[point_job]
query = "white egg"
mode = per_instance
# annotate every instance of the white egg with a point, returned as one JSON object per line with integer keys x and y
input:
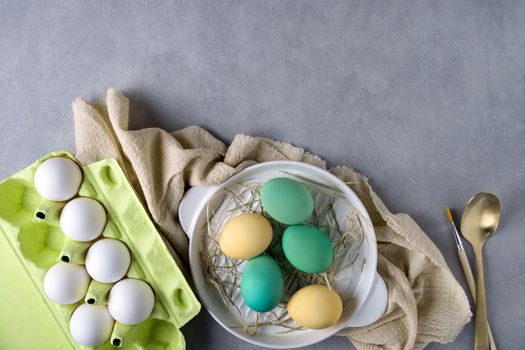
{"x": 66, "y": 283}
{"x": 91, "y": 325}
{"x": 131, "y": 301}
{"x": 108, "y": 260}
{"x": 83, "y": 219}
{"x": 58, "y": 179}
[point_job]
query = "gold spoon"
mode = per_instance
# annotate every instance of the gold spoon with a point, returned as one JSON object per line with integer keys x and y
{"x": 479, "y": 221}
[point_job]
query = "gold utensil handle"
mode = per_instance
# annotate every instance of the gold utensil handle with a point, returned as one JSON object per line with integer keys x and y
{"x": 472, "y": 287}
{"x": 481, "y": 341}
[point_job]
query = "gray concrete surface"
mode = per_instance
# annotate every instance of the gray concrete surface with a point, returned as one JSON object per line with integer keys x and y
{"x": 427, "y": 98}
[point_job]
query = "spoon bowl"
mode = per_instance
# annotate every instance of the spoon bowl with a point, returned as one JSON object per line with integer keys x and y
{"x": 481, "y": 217}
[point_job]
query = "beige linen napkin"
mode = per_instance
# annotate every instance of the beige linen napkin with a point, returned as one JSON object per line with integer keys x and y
{"x": 426, "y": 304}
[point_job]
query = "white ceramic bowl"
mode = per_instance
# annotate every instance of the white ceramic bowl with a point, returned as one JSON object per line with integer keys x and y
{"x": 370, "y": 296}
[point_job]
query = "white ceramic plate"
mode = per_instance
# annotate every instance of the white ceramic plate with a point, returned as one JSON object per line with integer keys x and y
{"x": 368, "y": 291}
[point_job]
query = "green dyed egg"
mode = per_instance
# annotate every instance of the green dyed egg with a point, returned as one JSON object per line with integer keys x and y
{"x": 286, "y": 200}
{"x": 262, "y": 283}
{"x": 307, "y": 248}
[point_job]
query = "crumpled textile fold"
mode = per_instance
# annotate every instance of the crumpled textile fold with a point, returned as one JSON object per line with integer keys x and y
{"x": 426, "y": 303}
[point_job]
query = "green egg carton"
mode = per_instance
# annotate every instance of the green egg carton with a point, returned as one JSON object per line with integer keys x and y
{"x": 31, "y": 241}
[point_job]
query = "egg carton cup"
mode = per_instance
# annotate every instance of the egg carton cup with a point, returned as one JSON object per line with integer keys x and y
{"x": 31, "y": 241}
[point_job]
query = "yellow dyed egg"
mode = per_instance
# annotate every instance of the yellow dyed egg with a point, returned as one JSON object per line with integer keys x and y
{"x": 246, "y": 236}
{"x": 315, "y": 307}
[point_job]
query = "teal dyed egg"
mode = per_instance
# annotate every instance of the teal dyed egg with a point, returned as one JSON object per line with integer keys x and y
{"x": 307, "y": 248}
{"x": 262, "y": 283}
{"x": 286, "y": 200}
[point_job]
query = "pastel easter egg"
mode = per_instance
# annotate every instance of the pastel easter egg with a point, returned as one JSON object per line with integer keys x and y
{"x": 262, "y": 283}
{"x": 246, "y": 236}
{"x": 307, "y": 248}
{"x": 315, "y": 307}
{"x": 286, "y": 200}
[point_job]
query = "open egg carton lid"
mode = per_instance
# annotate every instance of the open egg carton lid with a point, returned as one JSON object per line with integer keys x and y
{"x": 31, "y": 241}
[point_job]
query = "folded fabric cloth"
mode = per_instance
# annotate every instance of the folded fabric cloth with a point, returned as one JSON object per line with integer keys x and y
{"x": 426, "y": 304}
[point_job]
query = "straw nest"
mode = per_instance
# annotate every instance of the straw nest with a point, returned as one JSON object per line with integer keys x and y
{"x": 333, "y": 214}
